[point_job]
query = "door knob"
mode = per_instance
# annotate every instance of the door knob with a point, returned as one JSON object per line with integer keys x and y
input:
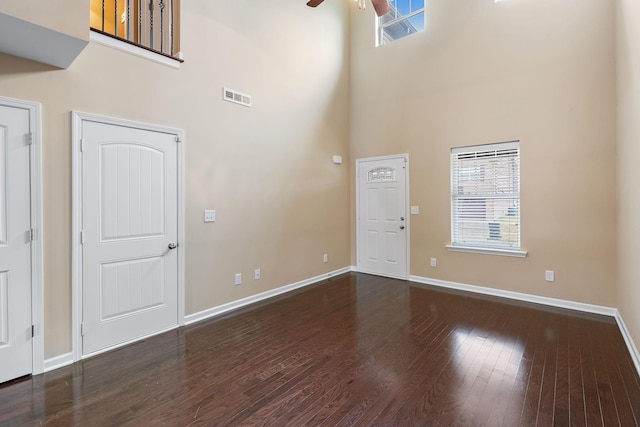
{"x": 401, "y": 218}
{"x": 172, "y": 246}
{"x": 402, "y": 227}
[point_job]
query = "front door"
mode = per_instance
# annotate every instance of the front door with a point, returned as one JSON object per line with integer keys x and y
{"x": 16, "y": 351}
{"x": 382, "y": 243}
{"x": 129, "y": 234}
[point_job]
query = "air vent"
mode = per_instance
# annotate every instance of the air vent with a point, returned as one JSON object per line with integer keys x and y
{"x": 237, "y": 97}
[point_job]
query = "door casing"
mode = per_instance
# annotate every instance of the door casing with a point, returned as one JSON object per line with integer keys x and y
{"x": 37, "y": 294}
{"x": 359, "y": 163}
{"x": 77, "y": 119}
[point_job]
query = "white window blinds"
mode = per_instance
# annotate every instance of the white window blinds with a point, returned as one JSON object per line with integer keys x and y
{"x": 485, "y": 196}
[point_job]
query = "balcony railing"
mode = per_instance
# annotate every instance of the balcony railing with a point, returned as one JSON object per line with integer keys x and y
{"x": 150, "y": 24}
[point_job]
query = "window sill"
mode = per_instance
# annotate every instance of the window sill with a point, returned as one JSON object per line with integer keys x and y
{"x": 488, "y": 251}
{"x": 105, "y": 40}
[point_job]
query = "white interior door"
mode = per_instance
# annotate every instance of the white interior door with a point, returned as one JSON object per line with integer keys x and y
{"x": 382, "y": 243}
{"x": 16, "y": 351}
{"x": 130, "y": 231}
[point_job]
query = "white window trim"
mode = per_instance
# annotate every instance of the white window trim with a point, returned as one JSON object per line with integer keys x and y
{"x": 485, "y": 250}
{"x": 132, "y": 49}
{"x": 380, "y": 27}
{"x": 518, "y": 253}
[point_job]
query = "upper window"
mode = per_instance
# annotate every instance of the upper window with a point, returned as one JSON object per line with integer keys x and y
{"x": 382, "y": 174}
{"x": 151, "y": 24}
{"x": 406, "y": 17}
{"x": 485, "y": 196}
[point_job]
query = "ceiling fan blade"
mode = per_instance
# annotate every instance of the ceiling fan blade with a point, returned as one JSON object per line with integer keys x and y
{"x": 381, "y": 7}
{"x": 314, "y": 3}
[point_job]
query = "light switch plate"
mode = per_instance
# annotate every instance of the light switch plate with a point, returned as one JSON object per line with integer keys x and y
{"x": 549, "y": 276}
{"x": 415, "y": 210}
{"x": 209, "y": 215}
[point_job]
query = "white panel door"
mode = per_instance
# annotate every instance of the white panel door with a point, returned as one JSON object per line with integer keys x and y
{"x": 15, "y": 245}
{"x": 382, "y": 220}
{"x": 130, "y": 229}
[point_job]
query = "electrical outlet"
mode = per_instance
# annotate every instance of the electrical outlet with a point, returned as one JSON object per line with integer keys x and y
{"x": 238, "y": 278}
{"x": 415, "y": 210}
{"x": 549, "y": 276}
{"x": 256, "y": 274}
{"x": 434, "y": 262}
{"x": 325, "y": 258}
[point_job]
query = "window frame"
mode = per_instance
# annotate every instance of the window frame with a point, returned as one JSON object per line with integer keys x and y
{"x": 485, "y": 247}
{"x": 380, "y": 27}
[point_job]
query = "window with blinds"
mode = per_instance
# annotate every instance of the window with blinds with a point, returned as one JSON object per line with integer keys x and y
{"x": 485, "y": 196}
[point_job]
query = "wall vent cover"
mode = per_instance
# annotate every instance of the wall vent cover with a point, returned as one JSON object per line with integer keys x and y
{"x": 235, "y": 96}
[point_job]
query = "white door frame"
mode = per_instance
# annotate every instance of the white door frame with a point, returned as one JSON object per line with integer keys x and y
{"x": 35, "y": 154}
{"x": 404, "y": 157}
{"x": 77, "y": 119}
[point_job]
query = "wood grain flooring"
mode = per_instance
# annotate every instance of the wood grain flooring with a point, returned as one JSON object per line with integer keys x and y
{"x": 353, "y": 350}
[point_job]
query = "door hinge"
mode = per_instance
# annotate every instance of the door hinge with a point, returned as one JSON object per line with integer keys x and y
{"x": 33, "y": 331}
{"x": 29, "y": 138}
{"x": 178, "y": 139}
{"x": 82, "y": 145}
{"x": 31, "y": 235}
{"x": 82, "y": 329}
{"x": 82, "y": 237}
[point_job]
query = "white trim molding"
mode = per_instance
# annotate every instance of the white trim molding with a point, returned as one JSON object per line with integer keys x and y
{"x": 633, "y": 350}
{"x": 234, "y": 305}
{"x": 37, "y": 286}
{"x": 77, "y": 118}
{"x": 553, "y": 302}
{"x": 58, "y": 362}
{"x": 487, "y": 251}
{"x": 37, "y": 282}
{"x": 132, "y": 49}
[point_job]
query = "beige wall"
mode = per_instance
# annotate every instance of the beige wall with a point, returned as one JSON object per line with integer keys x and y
{"x": 70, "y": 17}
{"x": 281, "y": 203}
{"x": 542, "y": 72}
{"x": 539, "y": 71}
{"x": 628, "y": 50}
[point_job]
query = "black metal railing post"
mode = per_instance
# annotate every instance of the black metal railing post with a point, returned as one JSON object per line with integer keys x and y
{"x": 138, "y": 18}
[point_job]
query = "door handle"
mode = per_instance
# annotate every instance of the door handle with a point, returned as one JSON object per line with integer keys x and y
{"x": 172, "y": 246}
{"x": 401, "y": 218}
{"x": 402, "y": 227}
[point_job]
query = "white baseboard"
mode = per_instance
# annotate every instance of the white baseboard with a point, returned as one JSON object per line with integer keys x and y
{"x": 58, "y": 362}
{"x": 67, "y": 359}
{"x": 633, "y": 350}
{"x": 224, "y": 308}
{"x": 553, "y": 302}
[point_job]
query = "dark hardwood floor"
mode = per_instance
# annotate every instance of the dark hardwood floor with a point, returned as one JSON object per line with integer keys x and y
{"x": 354, "y": 350}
